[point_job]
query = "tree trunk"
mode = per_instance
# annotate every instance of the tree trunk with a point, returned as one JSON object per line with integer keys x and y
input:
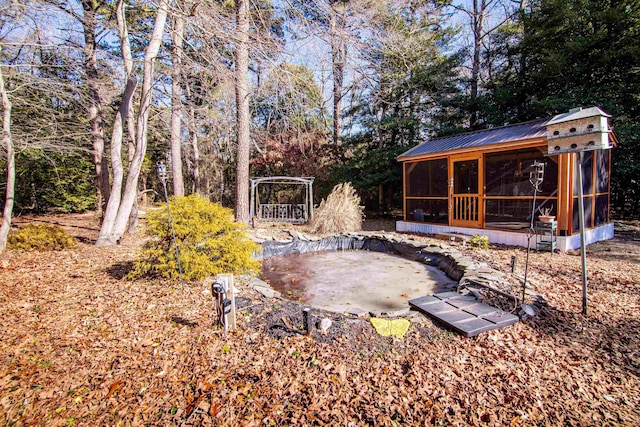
{"x": 95, "y": 103}
{"x": 194, "y": 145}
{"x": 479, "y": 11}
{"x": 242, "y": 111}
{"x": 337, "y": 65}
{"x": 116, "y": 163}
{"x": 522, "y": 72}
{"x": 177, "y": 36}
{"x": 7, "y": 213}
{"x": 130, "y": 192}
{"x": 114, "y": 226}
{"x": 196, "y": 159}
{"x": 383, "y": 111}
{"x": 125, "y": 114}
{"x": 131, "y": 150}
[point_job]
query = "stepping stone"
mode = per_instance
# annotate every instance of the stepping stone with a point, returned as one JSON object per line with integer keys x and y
{"x": 463, "y": 313}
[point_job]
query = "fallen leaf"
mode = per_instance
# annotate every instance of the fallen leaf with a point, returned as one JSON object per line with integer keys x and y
{"x": 192, "y": 406}
{"x": 116, "y": 386}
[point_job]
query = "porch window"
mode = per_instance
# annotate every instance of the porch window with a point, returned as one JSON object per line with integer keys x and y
{"x": 508, "y": 192}
{"x": 426, "y": 191}
{"x": 596, "y": 171}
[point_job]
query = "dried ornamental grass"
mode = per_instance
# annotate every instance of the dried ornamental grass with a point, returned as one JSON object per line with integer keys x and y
{"x": 340, "y": 212}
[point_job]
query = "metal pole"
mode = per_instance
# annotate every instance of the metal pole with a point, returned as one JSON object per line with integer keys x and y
{"x": 583, "y": 246}
{"x": 162, "y": 174}
{"x": 536, "y": 177}
{"x": 530, "y": 234}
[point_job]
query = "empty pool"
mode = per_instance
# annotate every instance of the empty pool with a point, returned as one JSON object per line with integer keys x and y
{"x": 342, "y": 281}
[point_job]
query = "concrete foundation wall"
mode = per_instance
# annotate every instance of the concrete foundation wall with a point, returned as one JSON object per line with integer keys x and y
{"x": 510, "y": 238}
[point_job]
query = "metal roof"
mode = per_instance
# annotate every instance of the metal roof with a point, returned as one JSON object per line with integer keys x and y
{"x": 480, "y": 138}
{"x": 576, "y": 114}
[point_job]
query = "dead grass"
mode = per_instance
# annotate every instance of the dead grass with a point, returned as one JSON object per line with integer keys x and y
{"x": 339, "y": 213}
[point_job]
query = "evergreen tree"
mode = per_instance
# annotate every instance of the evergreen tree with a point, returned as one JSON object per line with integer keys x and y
{"x": 577, "y": 53}
{"x": 411, "y": 93}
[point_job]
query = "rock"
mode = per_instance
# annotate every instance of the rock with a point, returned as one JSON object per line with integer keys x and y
{"x": 526, "y": 311}
{"x": 242, "y": 302}
{"x": 267, "y": 292}
{"x": 254, "y": 281}
{"x": 400, "y": 312}
{"x": 325, "y": 324}
{"x": 415, "y": 245}
{"x": 278, "y": 240}
{"x": 296, "y": 235}
{"x": 261, "y": 234}
{"x": 417, "y": 319}
{"x": 358, "y": 312}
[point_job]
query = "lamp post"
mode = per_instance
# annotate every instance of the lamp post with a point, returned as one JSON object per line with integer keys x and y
{"x": 163, "y": 175}
{"x": 536, "y": 177}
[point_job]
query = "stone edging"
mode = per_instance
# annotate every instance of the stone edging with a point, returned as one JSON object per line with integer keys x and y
{"x": 448, "y": 259}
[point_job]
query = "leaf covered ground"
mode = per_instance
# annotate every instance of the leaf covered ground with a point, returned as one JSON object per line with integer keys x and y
{"x": 82, "y": 346}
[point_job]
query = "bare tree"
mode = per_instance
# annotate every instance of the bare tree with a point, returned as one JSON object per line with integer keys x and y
{"x": 478, "y": 15}
{"x": 177, "y": 38}
{"x": 338, "y": 57}
{"x": 114, "y": 225}
{"x": 124, "y": 114}
{"x": 329, "y": 19}
{"x": 7, "y": 141}
{"x": 195, "y": 147}
{"x": 89, "y": 22}
{"x": 242, "y": 111}
{"x": 95, "y": 102}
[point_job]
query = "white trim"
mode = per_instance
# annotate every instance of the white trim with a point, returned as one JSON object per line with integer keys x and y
{"x": 564, "y": 243}
{"x": 593, "y": 235}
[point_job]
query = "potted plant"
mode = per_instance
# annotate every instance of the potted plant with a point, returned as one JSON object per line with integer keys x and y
{"x": 545, "y": 214}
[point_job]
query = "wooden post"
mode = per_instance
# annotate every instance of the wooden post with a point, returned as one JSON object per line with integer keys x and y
{"x": 308, "y": 325}
{"x": 311, "y": 200}
{"x": 230, "y": 318}
{"x": 252, "y": 203}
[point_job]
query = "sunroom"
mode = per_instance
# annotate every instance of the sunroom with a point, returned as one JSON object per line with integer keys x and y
{"x": 480, "y": 182}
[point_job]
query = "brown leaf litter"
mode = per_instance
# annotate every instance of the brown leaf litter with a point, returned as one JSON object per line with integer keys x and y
{"x": 81, "y": 346}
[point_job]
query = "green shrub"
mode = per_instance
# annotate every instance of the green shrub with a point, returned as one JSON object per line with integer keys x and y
{"x": 53, "y": 182}
{"x": 41, "y": 237}
{"x": 479, "y": 241}
{"x": 209, "y": 242}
